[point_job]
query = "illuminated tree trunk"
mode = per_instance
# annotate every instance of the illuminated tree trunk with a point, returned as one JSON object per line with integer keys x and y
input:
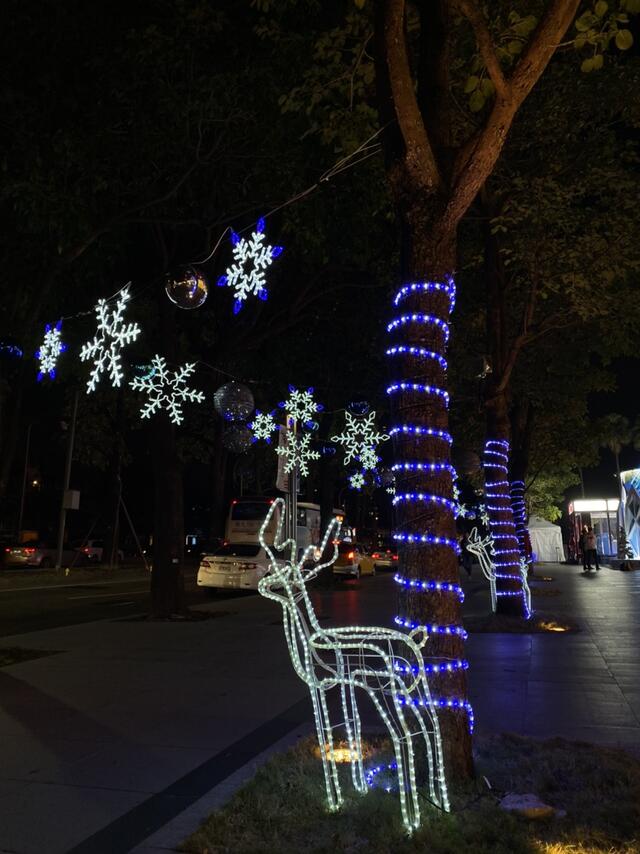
{"x": 433, "y": 183}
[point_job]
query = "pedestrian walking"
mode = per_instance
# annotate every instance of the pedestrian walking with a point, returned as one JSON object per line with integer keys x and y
{"x": 582, "y": 542}
{"x": 592, "y": 549}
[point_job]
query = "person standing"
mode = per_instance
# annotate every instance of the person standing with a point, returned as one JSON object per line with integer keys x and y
{"x": 592, "y": 549}
{"x": 583, "y": 547}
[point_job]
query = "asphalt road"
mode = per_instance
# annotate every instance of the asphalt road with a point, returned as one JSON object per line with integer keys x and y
{"x": 29, "y": 609}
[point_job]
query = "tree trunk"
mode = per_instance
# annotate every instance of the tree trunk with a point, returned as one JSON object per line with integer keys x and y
{"x": 167, "y": 580}
{"x": 425, "y": 525}
{"x": 219, "y": 495}
{"x": 522, "y": 418}
{"x": 509, "y": 588}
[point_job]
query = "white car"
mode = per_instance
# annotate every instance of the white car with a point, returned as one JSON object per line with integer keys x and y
{"x": 233, "y": 566}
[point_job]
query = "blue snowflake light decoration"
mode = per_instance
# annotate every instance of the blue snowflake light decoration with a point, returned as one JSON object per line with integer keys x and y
{"x": 252, "y": 258}
{"x": 50, "y": 350}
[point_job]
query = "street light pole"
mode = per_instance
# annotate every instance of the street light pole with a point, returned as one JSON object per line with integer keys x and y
{"x": 67, "y": 478}
{"x": 24, "y": 482}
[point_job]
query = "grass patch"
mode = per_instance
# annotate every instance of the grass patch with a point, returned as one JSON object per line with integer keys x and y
{"x": 283, "y": 809}
{"x": 15, "y": 654}
{"x": 538, "y": 624}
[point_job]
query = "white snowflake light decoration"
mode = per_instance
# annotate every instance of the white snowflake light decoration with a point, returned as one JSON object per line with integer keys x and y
{"x": 262, "y": 426}
{"x": 360, "y": 437}
{"x": 166, "y": 390}
{"x": 111, "y": 336}
{"x": 252, "y": 257}
{"x": 360, "y": 440}
{"x": 298, "y": 452}
{"x": 369, "y": 459}
{"x": 357, "y": 480}
{"x": 50, "y": 350}
{"x": 300, "y": 405}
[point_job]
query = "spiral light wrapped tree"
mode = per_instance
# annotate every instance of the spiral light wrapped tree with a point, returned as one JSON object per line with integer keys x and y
{"x": 510, "y": 589}
{"x": 424, "y": 507}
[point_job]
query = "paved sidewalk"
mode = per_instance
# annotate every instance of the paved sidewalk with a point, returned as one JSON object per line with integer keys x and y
{"x": 117, "y": 740}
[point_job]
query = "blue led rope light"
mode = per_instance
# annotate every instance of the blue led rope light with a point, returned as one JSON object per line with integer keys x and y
{"x": 417, "y": 430}
{"x": 419, "y": 352}
{"x": 420, "y": 432}
{"x": 495, "y": 464}
{"x": 429, "y": 586}
{"x": 432, "y": 467}
{"x": 418, "y": 317}
{"x": 421, "y": 388}
{"x": 447, "y": 287}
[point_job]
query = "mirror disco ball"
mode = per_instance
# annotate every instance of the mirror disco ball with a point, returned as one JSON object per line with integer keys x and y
{"x": 186, "y": 287}
{"x": 237, "y": 438}
{"x": 233, "y": 401}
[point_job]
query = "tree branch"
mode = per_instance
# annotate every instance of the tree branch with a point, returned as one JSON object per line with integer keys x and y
{"x": 397, "y": 96}
{"x": 474, "y": 14}
{"x": 476, "y": 159}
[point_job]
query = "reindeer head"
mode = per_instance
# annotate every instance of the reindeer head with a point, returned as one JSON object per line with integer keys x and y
{"x": 284, "y": 570}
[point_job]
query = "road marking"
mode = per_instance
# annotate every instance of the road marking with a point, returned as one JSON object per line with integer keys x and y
{"x": 108, "y": 595}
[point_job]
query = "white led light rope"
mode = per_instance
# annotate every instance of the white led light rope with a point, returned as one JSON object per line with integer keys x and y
{"x": 385, "y": 664}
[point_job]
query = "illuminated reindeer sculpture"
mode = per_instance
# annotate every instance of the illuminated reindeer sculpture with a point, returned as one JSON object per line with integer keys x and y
{"x": 483, "y": 550}
{"x": 386, "y": 664}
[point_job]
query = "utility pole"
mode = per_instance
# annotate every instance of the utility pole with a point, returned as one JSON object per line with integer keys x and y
{"x": 67, "y": 478}
{"x": 24, "y": 482}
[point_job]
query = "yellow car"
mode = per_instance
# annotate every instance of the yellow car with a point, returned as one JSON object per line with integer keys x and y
{"x": 353, "y": 561}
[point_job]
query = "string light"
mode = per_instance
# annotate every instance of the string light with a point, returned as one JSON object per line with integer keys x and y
{"x": 420, "y": 387}
{"x": 447, "y": 287}
{"x": 429, "y": 467}
{"x": 427, "y": 319}
{"x": 418, "y": 430}
{"x": 421, "y": 352}
{"x": 429, "y": 586}
{"x": 368, "y": 658}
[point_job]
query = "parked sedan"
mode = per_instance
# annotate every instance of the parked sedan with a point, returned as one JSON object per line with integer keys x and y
{"x": 386, "y": 555}
{"x": 353, "y": 561}
{"x": 238, "y": 566}
{"x": 36, "y": 554}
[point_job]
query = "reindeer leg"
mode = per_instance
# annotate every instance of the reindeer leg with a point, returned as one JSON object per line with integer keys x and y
{"x": 325, "y": 739}
{"x": 403, "y": 749}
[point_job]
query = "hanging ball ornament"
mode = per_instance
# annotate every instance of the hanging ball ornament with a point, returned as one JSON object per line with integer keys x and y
{"x": 186, "y": 287}
{"x": 359, "y": 407}
{"x": 237, "y": 438}
{"x": 233, "y": 401}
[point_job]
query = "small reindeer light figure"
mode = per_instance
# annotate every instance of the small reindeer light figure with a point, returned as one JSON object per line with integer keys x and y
{"x": 382, "y": 663}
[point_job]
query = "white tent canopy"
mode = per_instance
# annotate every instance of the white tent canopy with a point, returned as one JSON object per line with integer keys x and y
{"x": 546, "y": 540}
